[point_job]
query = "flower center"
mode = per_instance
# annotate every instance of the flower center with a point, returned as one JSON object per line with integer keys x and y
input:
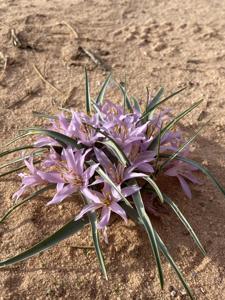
{"x": 107, "y": 200}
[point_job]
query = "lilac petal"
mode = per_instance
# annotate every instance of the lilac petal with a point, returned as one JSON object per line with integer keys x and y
{"x": 97, "y": 181}
{"x": 140, "y": 129}
{"x": 29, "y": 165}
{"x": 91, "y": 196}
{"x": 19, "y": 193}
{"x": 127, "y": 191}
{"x": 105, "y": 216}
{"x": 146, "y": 168}
{"x": 79, "y": 159}
{"x": 172, "y": 172}
{"x": 118, "y": 210}
{"x": 192, "y": 178}
{"x": 53, "y": 177}
{"x": 133, "y": 175}
{"x": 70, "y": 158}
{"x": 86, "y": 209}
{"x": 185, "y": 186}
{"x": 65, "y": 192}
{"x": 102, "y": 159}
{"x": 31, "y": 180}
{"x": 63, "y": 122}
{"x": 90, "y": 172}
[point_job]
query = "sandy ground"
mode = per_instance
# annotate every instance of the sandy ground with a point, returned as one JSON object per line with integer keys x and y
{"x": 152, "y": 43}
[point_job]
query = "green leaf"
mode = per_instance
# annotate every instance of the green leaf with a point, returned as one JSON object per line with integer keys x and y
{"x": 88, "y": 97}
{"x": 12, "y": 171}
{"x": 126, "y": 99}
{"x": 152, "y": 104}
{"x": 44, "y": 115}
{"x": 166, "y": 253}
{"x": 64, "y": 232}
{"x": 100, "y": 97}
{"x": 157, "y": 102}
{"x": 155, "y": 187}
{"x": 95, "y": 236}
{"x": 62, "y": 139}
{"x": 36, "y": 153}
{"x": 11, "y": 209}
{"x": 199, "y": 167}
{"x": 115, "y": 150}
{"x": 154, "y": 142}
{"x": 176, "y": 210}
{"x": 136, "y": 104}
{"x": 17, "y": 138}
{"x": 4, "y": 153}
{"x": 132, "y": 213}
{"x": 96, "y": 108}
{"x": 17, "y": 169}
{"x": 150, "y": 231}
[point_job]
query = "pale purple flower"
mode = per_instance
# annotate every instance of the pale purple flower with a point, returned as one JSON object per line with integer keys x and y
{"x": 183, "y": 172}
{"x": 29, "y": 180}
{"x": 84, "y": 128}
{"x": 69, "y": 174}
{"x": 117, "y": 172}
{"x": 107, "y": 201}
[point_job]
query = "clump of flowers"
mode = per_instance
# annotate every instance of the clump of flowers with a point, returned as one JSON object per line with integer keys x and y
{"x": 109, "y": 155}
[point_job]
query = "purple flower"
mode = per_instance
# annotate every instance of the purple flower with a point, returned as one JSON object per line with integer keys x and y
{"x": 118, "y": 173}
{"x": 84, "y": 128}
{"x": 107, "y": 201}
{"x": 69, "y": 174}
{"x": 183, "y": 172}
{"x": 29, "y": 180}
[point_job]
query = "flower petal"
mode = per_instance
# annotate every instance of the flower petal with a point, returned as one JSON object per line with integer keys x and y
{"x": 105, "y": 216}
{"x": 65, "y": 192}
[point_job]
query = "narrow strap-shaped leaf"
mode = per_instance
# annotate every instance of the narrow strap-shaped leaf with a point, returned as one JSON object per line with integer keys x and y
{"x": 88, "y": 97}
{"x": 17, "y": 138}
{"x": 166, "y": 253}
{"x": 11, "y": 209}
{"x": 185, "y": 222}
{"x": 17, "y": 169}
{"x": 100, "y": 97}
{"x": 152, "y": 104}
{"x": 200, "y": 168}
{"x": 155, "y": 187}
{"x": 126, "y": 99}
{"x": 132, "y": 213}
{"x": 150, "y": 232}
{"x": 115, "y": 150}
{"x": 64, "y": 232}
{"x": 44, "y": 115}
{"x": 4, "y": 153}
{"x": 154, "y": 142}
{"x": 35, "y": 154}
{"x": 136, "y": 104}
{"x": 96, "y": 108}
{"x": 62, "y": 139}
{"x": 95, "y": 236}
{"x": 157, "y": 103}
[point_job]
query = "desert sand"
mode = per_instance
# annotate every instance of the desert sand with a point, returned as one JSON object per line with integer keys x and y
{"x": 151, "y": 44}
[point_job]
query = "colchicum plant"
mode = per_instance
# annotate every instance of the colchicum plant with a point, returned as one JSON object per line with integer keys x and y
{"x": 110, "y": 156}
